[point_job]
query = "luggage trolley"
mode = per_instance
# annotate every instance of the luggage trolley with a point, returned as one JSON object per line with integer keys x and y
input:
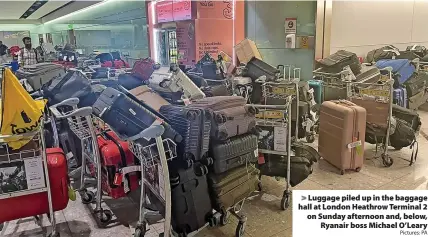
{"x": 153, "y": 158}
{"x": 81, "y": 124}
{"x": 335, "y": 85}
{"x": 26, "y": 155}
{"x": 375, "y": 97}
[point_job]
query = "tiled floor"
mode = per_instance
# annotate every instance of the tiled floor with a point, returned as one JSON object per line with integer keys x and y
{"x": 264, "y": 215}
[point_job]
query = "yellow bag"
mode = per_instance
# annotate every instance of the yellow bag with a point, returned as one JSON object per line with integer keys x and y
{"x": 20, "y": 112}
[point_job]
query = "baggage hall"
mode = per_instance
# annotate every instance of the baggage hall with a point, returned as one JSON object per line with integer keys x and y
{"x": 179, "y": 118}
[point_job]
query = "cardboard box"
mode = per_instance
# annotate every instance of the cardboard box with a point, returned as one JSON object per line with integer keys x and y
{"x": 246, "y": 50}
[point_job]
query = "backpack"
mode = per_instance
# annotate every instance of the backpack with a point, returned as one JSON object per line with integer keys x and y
{"x": 404, "y": 136}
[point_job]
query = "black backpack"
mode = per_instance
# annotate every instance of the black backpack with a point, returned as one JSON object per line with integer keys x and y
{"x": 404, "y": 136}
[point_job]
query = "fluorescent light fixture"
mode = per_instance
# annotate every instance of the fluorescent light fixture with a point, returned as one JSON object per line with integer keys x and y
{"x": 154, "y": 32}
{"x": 80, "y": 11}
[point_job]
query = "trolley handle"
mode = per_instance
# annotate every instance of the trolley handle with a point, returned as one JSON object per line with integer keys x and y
{"x": 150, "y": 132}
{"x": 82, "y": 112}
{"x": 67, "y": 102}
{"x": 257, "y": 106}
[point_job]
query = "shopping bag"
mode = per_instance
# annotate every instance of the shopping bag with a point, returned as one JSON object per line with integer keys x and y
{"x": 20, "y": 112}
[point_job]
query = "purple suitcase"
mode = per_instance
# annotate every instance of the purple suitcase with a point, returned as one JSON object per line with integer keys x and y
{"x": 400, "y": 97}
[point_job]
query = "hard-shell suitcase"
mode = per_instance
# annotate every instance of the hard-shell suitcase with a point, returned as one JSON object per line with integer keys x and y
{"x": 143, "y": 68}
{"x": 400, "y": 97}
{"x": 369, "y": 74}
{"x": 240, "y": 150}
{"x": 194, "y": 125}
{"x": 115, "y": 155}
{"x": 41, "y": 73}
{"x": 230, "y": 188}
{"x": 276, "y": 166}
{"x": 416, "y": 83}
{"x": 408, "y": 115}
{"x": 191, "y": 204}
{"x": 230, "y": 117}
{"x": 337, "y": 61}
{"x": 256, "y": 68}
{"x": 149, "y": 97}
{"x": 417, "y": 100}
{"x": 342, "y": 131}
{"x": 13, "y": 208}
{"x": 316, "y": 85}
{"x": 127, "y": 117}
{"x": 403, "y": 69}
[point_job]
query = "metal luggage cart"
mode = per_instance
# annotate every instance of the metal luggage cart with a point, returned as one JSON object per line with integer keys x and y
{"x": 153, "y": 158}
{"x": 335, "y": 81}
{"x": 81, "y": 124}
{"x": 26, "y": 155}
{"x": 379, "y": 92}
{"x": 278, "y": 117}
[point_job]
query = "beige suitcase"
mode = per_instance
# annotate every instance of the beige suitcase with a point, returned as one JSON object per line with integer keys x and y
{"x": 149, "y": 97}
{"x": 342, "y": 131}
{"x": 377, "y": 112}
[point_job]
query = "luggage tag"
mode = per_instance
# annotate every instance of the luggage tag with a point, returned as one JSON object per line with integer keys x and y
{"x": 261, "y": 159}
{"x": 357, "y": 144}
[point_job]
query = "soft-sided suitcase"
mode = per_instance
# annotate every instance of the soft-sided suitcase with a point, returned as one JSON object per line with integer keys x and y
{"x": 316, "y": 85}
{"x": 13, "y": 208}
{"x": 230, "y": 188}
{"x": 143, "y": 68}
{"x": 194, "y": 125}
{"x": 191, "y": 204}
{"x": 386, "y": 52}
{"x": 115, "y": 155}
{"x": 419, "y": 50}
{"x": 337, "y": 61}
{"x": 41, "y": 73}
{"x": 240, "y": 150}
{"x": 128, "y": 81}
{"x": 416, "y": 83}
{"x": 127, "y": 117}
{"x": 276, "y": 166}
{"x": 230, "y": 117}
{"x": 400, "y": 97}
{"x": 149, "y": 97}
{"x": 408, "y": 115}
{"x": 342, "y": 126}
{"x": 417, "y": 100}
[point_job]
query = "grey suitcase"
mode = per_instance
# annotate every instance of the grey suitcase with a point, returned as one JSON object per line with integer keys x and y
{"x": 41, "y": 73}
{"x": 240, "y": 150}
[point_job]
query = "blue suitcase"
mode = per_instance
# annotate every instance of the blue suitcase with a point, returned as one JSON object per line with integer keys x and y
{"x": 400, "y": 97}
{"x": 316, "y": 85}
{"x": 128, "y": 117}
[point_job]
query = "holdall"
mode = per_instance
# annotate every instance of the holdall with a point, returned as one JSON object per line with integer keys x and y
{"x": 400, "y": 97}
{"x": 209, "y": 69}
{"x": 39, "y": 74}
{"x": 337, "y": 61}
{"x": 419, "y": 50}
{"x": 403, "y": 136}
{"x": 115, "y": 155}
{"x": 127, "y": 117}
{"x": 416, "y": 83}
{"x": 230, "y": 117}
{"x": 240, "y": 150}
{"x": 386, "y": 52}
{"x": 194, "y": 125}
{"x": 149, "y": 97}
{"x": 129, "y": 82}
{"x": 410, "y": 55}
{"x": 276, "y": 166}
{"x": 342, "y": 123}
{"x": 408, "y": 115}
{"x": 417, "y": 100}
{"x": 73, "y": 85}
{"x": 143, "y": 69}
{"x": 402, "y": 68}
{"x": 37, "y": 204}
{"x": 317, "y": 86}
{"x": 229, "y": 188}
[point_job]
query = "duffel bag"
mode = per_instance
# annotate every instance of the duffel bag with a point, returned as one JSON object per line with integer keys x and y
{"x": 416, "y": 83}
{"x": 404, "y": 136}
{"x": 419, "y": 50}
{"x": 410, "y": 116}
{"x": 386, "y": 52}
{"x": 339, "y": 60}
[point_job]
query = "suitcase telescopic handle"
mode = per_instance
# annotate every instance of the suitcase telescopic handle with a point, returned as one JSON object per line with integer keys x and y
{"x": 82, "y": 112}
{"x": 150, "y": 132}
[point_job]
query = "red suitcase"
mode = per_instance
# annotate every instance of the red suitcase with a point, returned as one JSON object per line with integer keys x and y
{"x": 115, "y": 154}
{"x": 37, "y": 204}
{"x": 143, "y": 69}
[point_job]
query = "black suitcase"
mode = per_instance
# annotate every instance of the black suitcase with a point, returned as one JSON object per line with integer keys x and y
{"x": 191, "y": 204}
{"x": 230, "y": 188}
{"x": 416, "y": 83}
{"x": 240, "y": 150}
{"x": 129, "y": 82}
{"x": 276, "y": 166}
{"x": 128, "y": 117}
{"x": 194, "y": 125}
{"x": 337, "y": 61}
{"x": 256, "y": 68}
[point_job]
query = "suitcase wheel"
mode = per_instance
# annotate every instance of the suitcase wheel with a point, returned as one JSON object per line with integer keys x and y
{"x": 105, "y": 217}
{"x": 387, "y": 161}
{"x": 201, "y": 170}
{"x": 87, "y": 196}
{"x": 140, "y": 231}
{"x": 285, "y": 201}
{"x": 240, "y": 229}
{"x": 224, "y": 218}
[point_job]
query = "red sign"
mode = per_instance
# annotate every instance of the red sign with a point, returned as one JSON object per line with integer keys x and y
{"x": 164, "y": 12}
{"x": 182, "y": 10}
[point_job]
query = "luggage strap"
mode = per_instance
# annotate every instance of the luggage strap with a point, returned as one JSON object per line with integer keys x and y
{"x": 415, "y": 148}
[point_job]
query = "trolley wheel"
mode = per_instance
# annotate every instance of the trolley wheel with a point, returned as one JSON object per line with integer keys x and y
{"x": 310, "y": 138}
{"x": 224, "y": 218}
{"x": 140, "y": 231}
{"x": 260, "y": 186}
{"x": 189, "y": 163}
{"x": 387, "y": 161}
{"x": 285, "y": 201}
{"x": 87, "y": 197}
{"x": 105, "y": 217}
{"x": 209, "y": 161}
{"x": 398, "y": 148}
{"x": 342, "y": 172}
{"x": 240, "y": 229}
{"x": 54, "y": 235}
{"x": 358, "y": 169}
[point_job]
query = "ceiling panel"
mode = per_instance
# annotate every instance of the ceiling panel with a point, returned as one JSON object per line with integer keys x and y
{"x": 49, "y": 7}
{"x": 12, "y": 10}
